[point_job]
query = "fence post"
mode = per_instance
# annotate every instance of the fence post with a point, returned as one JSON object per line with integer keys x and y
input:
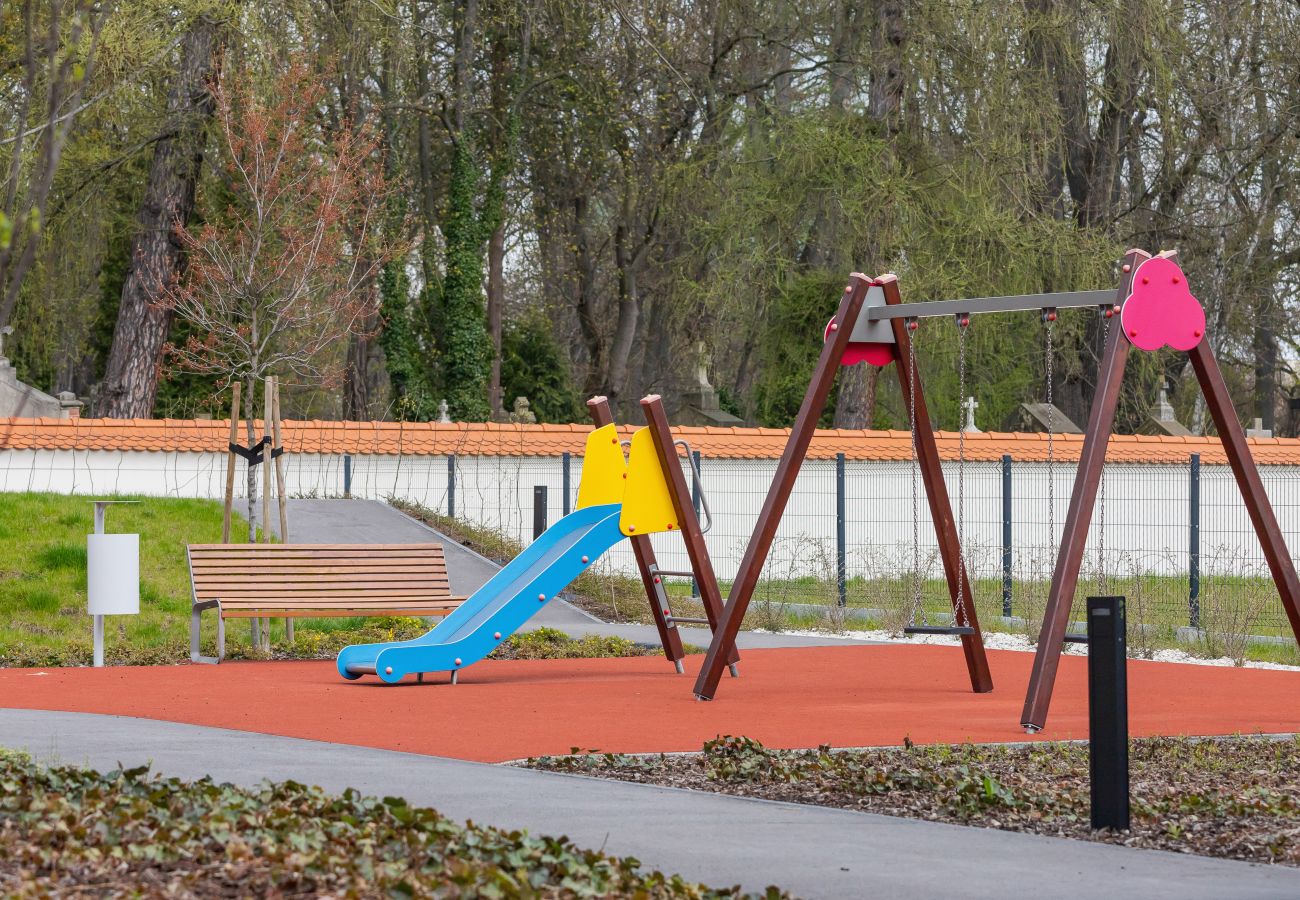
{"x": 695, "y": 502}
{"x": 565, "y": 462}
{"x": 1194, "y": 542}
{"x": 840, "y": 539}
{"x": 539, "y": 510}
{"x": 347, "y": 476}
{"x": 1006, "y": 534}
{"x": 451, "y": 485}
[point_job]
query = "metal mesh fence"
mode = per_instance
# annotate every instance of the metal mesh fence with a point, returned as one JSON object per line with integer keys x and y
{"x": 1175, "y": 539}
{"x": 1141, "y": 542}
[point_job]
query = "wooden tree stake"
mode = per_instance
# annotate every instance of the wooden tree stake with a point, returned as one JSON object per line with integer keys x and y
{"x": 268, "y": 404}
{"x": 278, "y": 447}
{"x": 230, "y": 462}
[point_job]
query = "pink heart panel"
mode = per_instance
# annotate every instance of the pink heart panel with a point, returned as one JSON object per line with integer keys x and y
{"x": 1160, "y": 310}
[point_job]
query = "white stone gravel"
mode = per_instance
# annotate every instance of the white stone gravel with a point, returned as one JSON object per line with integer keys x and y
{"x": 999, "y": 640}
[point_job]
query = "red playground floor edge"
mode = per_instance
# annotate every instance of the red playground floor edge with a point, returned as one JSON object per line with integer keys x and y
{"x": 849, "y": 696}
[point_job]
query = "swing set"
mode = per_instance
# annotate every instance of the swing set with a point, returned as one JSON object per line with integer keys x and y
{"x": 1154, "y": 308}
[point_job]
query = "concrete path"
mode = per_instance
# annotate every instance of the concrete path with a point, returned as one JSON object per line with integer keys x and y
{"x": 372, "y": 522}
{"x": 713, "y": 838}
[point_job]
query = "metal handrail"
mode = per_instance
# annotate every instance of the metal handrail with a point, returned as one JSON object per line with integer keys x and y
{"x": 698, "y": 484}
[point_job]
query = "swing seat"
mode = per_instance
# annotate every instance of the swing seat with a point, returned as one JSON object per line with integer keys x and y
{"x": 958, "y": 630}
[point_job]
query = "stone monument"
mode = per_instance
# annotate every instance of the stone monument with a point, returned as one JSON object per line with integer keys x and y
{"x": 700, "y": 404}
{"x": 19, "y": 400}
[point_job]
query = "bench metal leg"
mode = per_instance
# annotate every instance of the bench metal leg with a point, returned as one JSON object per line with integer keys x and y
{"x": 196, "y": 614}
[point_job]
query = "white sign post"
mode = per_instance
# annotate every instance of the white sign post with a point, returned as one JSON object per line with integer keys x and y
{"x": 112, "y": 575}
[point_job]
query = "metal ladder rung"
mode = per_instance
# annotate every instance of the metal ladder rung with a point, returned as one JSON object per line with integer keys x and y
{"x": 672, "y": 574}
{"x": 674, "y": 620}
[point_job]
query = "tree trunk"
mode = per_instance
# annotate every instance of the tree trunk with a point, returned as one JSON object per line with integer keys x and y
{"x": 855, "y": 404}
{"x": 356, "y": 377}
{"x": 585, "y": 299}
{"x": 629, "y": 312}
{"x": 131, "y": 377}
{"x": 496, "y": 296}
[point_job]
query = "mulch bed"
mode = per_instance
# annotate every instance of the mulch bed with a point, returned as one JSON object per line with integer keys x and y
{"x": 72, "y": 832}
{"x": 1237, "y": 798}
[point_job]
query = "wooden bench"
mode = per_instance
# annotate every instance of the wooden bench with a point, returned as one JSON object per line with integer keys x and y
{"x": 261, "y": 581}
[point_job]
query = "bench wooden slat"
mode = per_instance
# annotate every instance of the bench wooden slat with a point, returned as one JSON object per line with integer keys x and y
{"x": 334, "y": 613}
{"x": 231, "y": 595}
{"x": 308, "y": 595}
{"x": 310, "y": 581}
{"x": 272, "y": 580}
{"x": 251, "y": 602}
{"x": 297, "y": 550}
{"x": 298, "y": 568}
{"x": 308, "y": 548}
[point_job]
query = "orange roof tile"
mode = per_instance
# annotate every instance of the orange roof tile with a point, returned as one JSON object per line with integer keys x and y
{"x": 491, "y": 439}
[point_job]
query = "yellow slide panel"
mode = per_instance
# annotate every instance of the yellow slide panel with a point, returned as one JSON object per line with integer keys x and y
{"x": 604, "y": 470}
{"x": 647, "y": 504}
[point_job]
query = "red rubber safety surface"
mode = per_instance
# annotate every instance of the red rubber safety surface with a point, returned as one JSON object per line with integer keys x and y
{"x": 845, "y": 696}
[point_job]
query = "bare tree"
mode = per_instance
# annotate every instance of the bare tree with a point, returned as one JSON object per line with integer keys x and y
{"x": 279, "y": 279}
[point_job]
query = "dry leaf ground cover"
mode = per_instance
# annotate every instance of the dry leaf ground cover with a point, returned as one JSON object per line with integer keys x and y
{"x": 1236, "y": 797}
{"x": 73, "y": 832}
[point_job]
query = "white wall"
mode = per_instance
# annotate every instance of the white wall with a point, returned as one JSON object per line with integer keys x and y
{"x": 1146, "y": 509}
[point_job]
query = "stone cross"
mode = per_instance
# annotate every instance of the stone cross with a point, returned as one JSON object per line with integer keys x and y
{"x": 1259, "y": 431}
{"x": 970, "y": 406}
{"x": 444, "y": 414}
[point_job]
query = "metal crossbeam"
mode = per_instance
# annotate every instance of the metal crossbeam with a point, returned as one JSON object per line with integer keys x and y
{"x": 1020, "y": 303}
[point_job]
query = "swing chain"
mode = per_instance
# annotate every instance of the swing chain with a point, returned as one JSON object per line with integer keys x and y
{"x": 918, "y": 605}
{"x": 960, "y": 618}
{"x": 1101, "y": 485}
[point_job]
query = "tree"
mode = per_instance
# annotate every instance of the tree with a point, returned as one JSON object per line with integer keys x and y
{"x": 143, "y": 327}
{"x": 57, "y": 57}
{"x": 279, "y": 278}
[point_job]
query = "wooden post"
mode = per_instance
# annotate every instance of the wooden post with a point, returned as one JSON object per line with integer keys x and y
{"x": 601, "y": 415}
{"x": 268, "y": 405}
{"x": 230, "y": 462}
{"x": 692, "y": 534}
{"x": 787, "y": 470}
{"x": 1248, "y": 481}
{"x": 1074, "y": 535}
{"x": 278, "y": 446}
{"x": 936, "y": 493}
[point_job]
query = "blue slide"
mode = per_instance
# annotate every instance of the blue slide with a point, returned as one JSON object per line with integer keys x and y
{"x": 499, "y": 608}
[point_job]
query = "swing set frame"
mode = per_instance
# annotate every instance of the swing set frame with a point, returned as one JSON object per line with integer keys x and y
{"x": 885, "y": 325}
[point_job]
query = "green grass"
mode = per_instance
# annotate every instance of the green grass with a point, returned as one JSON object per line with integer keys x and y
{"x": 43, "y": 619}
{"x": 1232, "y": 609}
{"x": 43, "y": 573}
